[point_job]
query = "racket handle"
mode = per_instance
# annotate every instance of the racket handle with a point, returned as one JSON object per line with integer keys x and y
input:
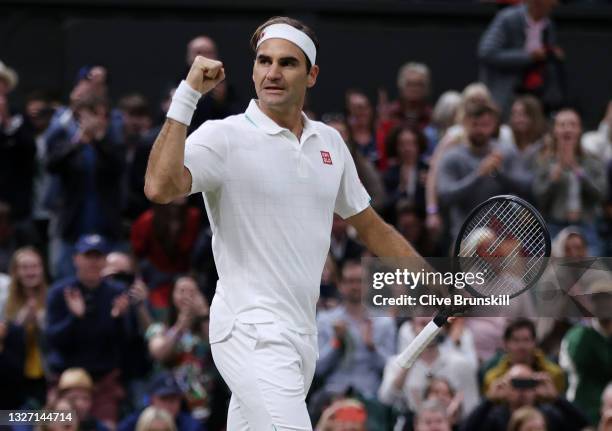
{"x": 420, "y": 342}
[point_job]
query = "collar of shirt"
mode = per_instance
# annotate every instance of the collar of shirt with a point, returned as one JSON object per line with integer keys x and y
{"x": 256, "y": 116}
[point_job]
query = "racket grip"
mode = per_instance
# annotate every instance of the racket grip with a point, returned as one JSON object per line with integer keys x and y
{"x": 420, "y": 342}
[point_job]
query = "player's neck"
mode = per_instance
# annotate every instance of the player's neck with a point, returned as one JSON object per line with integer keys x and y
{"x": 289, "y": 118}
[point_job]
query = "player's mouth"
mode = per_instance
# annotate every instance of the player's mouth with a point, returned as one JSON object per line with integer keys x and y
{"x": 273, "y": 89}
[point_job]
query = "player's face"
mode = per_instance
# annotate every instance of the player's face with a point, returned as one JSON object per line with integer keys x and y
{"x": 280, "y": 75}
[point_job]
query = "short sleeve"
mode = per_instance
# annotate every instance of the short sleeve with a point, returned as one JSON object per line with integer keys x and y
{"x": 205, "y": 156}
{"x": 352, "y": 196}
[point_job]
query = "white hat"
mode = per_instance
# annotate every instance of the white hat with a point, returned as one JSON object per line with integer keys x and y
{"x": 9, "y": 75}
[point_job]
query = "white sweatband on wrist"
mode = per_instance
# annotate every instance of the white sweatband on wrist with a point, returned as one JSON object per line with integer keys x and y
{"x": 184, "y": 103}
{"x": 293, "y": 35}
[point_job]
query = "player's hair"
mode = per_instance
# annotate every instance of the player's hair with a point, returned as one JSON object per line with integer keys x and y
{"x": 293, "y": 23}
{"x": 520, "y": 323}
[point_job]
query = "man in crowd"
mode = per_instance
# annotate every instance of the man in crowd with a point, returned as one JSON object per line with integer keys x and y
{"x": 221, "y": 101}
{"x": 519, "y": 50}
{"x": 89, "y": 167}
{"x": 354, "y": 346}
{"x": 478, "y": 168}
{"x": 165, "y": 394}
{"x": 86, "y": 321}
{"x": 586, "y": 353}
{"x": 520, "y": 347}
{"x": 76, "y": 386}
{"x": 520, "y": 387}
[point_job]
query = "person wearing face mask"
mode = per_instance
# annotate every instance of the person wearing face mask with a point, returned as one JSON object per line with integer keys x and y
{"x": 570, "y": 185}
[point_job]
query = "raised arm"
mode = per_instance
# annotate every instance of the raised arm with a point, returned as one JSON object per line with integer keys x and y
{"x": 167, "y": 178}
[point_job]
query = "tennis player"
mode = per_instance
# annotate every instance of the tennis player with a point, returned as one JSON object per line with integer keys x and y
{"x": 271, "y": 180}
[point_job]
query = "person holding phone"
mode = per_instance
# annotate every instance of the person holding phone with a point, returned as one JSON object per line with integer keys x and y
{"x": 521, "y": 386}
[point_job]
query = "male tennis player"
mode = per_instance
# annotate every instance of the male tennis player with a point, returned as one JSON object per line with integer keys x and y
{"x": 271, "y": 180}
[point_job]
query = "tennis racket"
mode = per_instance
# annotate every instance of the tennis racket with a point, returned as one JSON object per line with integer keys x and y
{"x": 504, "y": 237}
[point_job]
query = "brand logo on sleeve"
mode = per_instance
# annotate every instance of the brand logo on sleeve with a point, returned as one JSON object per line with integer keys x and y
{"x": 326, "y": 158}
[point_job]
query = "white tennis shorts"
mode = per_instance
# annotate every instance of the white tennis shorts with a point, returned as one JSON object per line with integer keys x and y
{"x": 269, "y": 370}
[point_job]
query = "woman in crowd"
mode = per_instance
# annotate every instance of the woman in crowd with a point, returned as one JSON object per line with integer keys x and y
{"x": 360, "y": 120}
{"x": 443, "y": 117}
{"x": 25, "y": 307}
{"x": 164, "y": 238}
{"x": 182, "y": 346}
{"x": 528, "y": 126}
{"x": 570, "y": 186}
{"x": 405, "y": 179}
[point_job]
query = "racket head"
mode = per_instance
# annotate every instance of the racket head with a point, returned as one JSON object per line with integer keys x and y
{"x": 508, "y": 237}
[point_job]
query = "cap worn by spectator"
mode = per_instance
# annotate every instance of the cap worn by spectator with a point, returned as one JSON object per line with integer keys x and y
{"x": 91, "y": 242}
{"x": 165, "y": 385}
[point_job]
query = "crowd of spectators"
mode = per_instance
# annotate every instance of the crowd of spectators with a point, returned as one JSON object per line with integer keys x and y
{"x": 104, "y": 297}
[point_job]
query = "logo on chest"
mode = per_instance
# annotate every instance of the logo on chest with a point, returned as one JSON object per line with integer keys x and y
{"x": 327, "y": 160}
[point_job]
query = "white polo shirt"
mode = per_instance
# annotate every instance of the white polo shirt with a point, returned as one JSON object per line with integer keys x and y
{"x": 270, "y": 200}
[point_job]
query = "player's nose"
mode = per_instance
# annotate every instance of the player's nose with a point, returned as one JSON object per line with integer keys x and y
{"x": 274, "y": 72}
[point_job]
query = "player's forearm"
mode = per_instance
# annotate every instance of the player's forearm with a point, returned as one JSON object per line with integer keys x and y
{"x": 164, "y": 180}
{"x": 385, "y": 241}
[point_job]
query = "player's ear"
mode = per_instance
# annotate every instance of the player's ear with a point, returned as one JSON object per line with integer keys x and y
{"x": 312, "y": 76}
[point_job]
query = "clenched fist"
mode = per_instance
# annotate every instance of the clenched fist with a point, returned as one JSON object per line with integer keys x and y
{"x": 205, "y": 74}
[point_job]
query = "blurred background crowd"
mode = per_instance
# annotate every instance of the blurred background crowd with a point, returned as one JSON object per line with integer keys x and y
{"x": 104, "y": 297}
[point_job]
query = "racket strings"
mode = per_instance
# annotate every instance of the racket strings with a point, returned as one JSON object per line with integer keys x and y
{"x": 497, "y": 226}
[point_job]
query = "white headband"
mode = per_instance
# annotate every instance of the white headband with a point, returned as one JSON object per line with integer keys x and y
{"x": 292, "y": 34}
